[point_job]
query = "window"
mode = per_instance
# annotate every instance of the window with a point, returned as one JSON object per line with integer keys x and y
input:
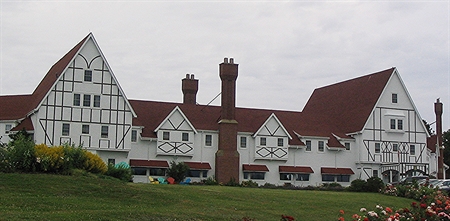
{"x": 139, "y": 171}
{"x": 412, "y": 149}
{"x": 399, "y": 124}
{"x": 347, "y": 146}
{"x": 395, "y": 147}
{"x": 112, "y": 162}
{"x": 343, "y": 178}
{"x": 280, "y": 142}
{"x": 321, "y": 146}
{"x": 87, "y": 100}
{"x": 7, "y": 128}
{"x": 262, "y": 141}
{"x": 104, "y": 131}
{"x": 377, "y": 147}
{"x": 166, "y": 135}
{"x": 208, "y": 140}
{"x": 133, "y": 135}
{"x": 302, "y": 177}
{"x": 96, "y": 100}
{"x": 327, "y": 178}
{"x": 197, "y": 173}
{"x": 254, "y": 175}
{"x": 375, "y": 173}
{"x": 185, "y": 137}
{"x": 394, "y": 98}
{"x": 65, "y": 129}
{"x": 308, "y": 145}
{"x": 393, "y": 124}
{"x": 285, "y": 176}
{"x": 85, "y": 129}
{"x": 76, "y": 99}
{"x": 243, "y": 142}
{"x": 157, "y": 172}
{"x": 88, "y": 75}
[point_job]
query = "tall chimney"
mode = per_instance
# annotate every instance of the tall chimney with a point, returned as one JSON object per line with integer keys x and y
{"x": 438, "y": 107}
{"x": 189, "y": 86}
{"x": 227, "y": 156}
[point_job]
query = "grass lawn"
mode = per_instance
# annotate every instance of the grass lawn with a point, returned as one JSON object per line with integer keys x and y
{"x": 54, "y": 197}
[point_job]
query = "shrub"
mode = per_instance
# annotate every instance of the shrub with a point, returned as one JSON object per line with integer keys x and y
{"x": 358, "y": 185}
{"x": 375, "y": 184}
{"x": 210, "y": 181}
{"x": 249, "y": 183}
{"x": 232, "y": 182}
{"x": 121, "y": 172}
{"x": 50, "y": 159}
{"x": 177, "y": 171}
{"x": 21, "y": 154}
{"x": 94, "y": 163}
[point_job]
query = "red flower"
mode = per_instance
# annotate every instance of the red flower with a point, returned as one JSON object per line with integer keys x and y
{"x": 413, "y": 204}
{"x": 388, "y": 210}
{"x": 423, "y": 205}
{"x": 341, "y": 218}
{"x": 366, "y": 219}
{"x": 341, "y": 212}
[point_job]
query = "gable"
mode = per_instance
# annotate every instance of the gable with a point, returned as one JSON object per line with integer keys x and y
{"x": 272, "y": 127}
{"x": 67, "y": 76}
{"x": 176, "y": 120}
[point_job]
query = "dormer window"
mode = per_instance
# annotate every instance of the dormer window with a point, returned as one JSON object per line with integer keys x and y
{"x": 88, "y": 75}
{"x": 185, "y": 136}
{"x": 394, "y": 98}
{"x": 166, "y": 135}
{"x": 262, "y": 141}
{"x": 280, "y": 142}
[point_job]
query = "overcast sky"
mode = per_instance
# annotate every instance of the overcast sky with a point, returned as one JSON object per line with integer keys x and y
{"x": 284, "y": 49}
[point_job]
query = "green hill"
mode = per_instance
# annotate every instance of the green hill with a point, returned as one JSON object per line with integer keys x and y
{"x": 55, "y": 197}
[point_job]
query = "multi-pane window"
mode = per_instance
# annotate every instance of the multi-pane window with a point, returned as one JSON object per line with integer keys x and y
{"x": 335, "y": 178}
{"x": 302, "y": 177}
{"x": 243, "y": 142}
{"x": 7, "y": 128}
{"x": 139, "y": 171}
{"x": 254, "y": 175}
{"x": 394, "y": 98}
{"x": 65, "y": 129}
{"x": 343, "y": 178}
{"x": 208, "y": 140}
{"x": 393, "y": 124}
{"x": 96, "y": 100}
{"x": 327, "y": 178}
{"x": 377, "y": 148}
{"x": 347, "y": 146}
{"x": 321, "y": 146}
{"x": 395, "y": 147}
{"x": 85, "y": 129}
{"x": 375, "y": 173}
{"x": 104, "y": 132}
{"x": 197, "y": 173}
{"x": 280, "y": 142}
{"x": 166, "y": 135}
{"x": 133, "y": 135}
{"x": 286, "y": 176}
{"x": 157, "y": 171}
{"x": 87, "y": 100}
{"x": 185, "y": 136}
{"x": 76, "y": 99}
{"x": 262, "y": 141}
{"x": 308, "y": 145}
{"x": 412, "y": 149}
{"x": 88, "y": 75}
{"x": 399, "y": 124}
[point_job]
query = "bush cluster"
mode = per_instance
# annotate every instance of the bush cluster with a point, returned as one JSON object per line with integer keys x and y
{"x": 373, "y": 184}
{"x": 120, "y": 172}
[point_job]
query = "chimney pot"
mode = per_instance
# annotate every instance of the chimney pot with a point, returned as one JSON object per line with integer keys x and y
{"x": 192, "y": 76}
{"x": 187, "y": 76}
{"x": 225, "y": 60}
{"x": 231, "y": 61}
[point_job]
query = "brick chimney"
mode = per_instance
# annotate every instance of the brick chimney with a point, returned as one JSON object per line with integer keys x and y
{"x": 189, "y": 86}
{"x": 438, "y": 107}
{"x": 227, "y": 156}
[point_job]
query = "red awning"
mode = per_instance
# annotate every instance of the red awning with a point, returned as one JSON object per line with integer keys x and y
{"x": 149, "y": 163}
{"x": 255, "y": 168}
{"x": 295, "y": 169}
{"x": 336, "y": 171}
{"x": 198, "y": 165}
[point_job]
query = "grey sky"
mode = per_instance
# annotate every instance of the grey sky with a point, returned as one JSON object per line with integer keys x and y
{"x": 284, "y": 49}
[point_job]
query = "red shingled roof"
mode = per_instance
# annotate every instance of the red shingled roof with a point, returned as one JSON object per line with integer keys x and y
{"x": 25, "y": 124}
{"x": 149, "y": 163}
{"x": 295, "y": 169}
{"x": 14, "y": 107}
{"x": 255, "y": 167}
{"x": 336, "y": 171}
{"x": 198, "y": 165}
{"x": 348, "y": 104}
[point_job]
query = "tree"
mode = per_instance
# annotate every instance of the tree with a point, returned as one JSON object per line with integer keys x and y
{"x": 446, "y": 144}
{"x": 177, "y": 171}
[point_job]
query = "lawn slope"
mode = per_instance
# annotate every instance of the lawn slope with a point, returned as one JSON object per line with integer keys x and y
{"x": 54, "y": 197}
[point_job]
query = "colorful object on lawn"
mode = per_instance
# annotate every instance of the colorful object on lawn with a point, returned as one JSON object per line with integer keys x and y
{"x": 186, "y": 182}
{"x": 152, "y": 180}
{"x": 162, "y": 180}
{"x": 171, "y": 180}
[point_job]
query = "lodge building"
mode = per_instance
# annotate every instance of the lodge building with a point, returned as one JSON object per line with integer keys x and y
{"x": 359, "y": 128}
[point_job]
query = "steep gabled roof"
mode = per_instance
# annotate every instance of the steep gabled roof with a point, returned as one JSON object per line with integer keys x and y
{"x": 348, "y": 104}
{"x": 53, "y": 74}
{"x": 14, "y": 107}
